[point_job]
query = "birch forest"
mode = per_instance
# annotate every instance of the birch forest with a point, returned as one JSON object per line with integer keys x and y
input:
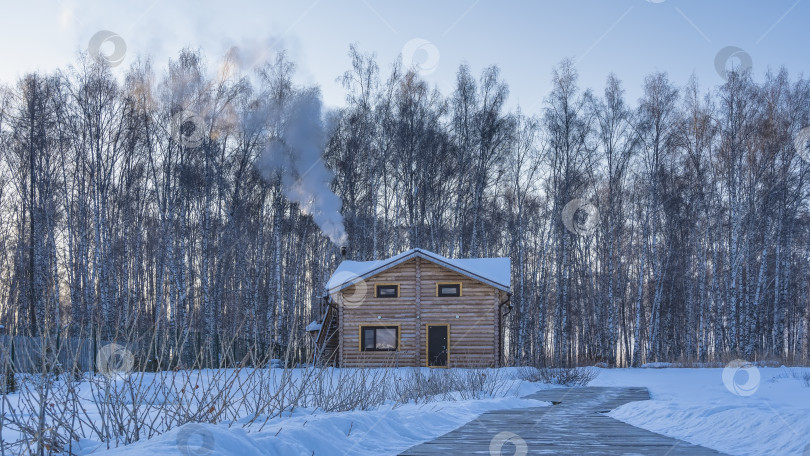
{"x": 199, "y": 202}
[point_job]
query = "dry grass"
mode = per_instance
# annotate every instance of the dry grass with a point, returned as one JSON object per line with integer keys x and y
{"x": 568, "y": 376}
{"x": 803, "y": 376}
{"x": 56, "y": 407}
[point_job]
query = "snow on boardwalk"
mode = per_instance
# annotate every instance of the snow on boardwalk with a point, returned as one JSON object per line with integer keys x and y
{"x": 577, "y": 424}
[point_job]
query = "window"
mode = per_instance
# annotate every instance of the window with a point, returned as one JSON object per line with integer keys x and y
{"x": 388, "y": 290}
{"x": 448, "y": 289}
{"x": 379, "y": 338}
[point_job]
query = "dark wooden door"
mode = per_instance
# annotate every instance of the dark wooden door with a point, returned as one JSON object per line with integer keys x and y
{"x": 437, "y": 346}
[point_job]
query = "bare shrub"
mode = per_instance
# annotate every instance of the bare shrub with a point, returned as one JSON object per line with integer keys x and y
{"x": 56, "y": 410}
{"x": 9, "y": 382}
{"x": 338, "y": 390}
{"x": 423, "y": 385}
{"x": 802, "y": 375}
{"x": 58, "y": 403}
{"x": 568, "y": 376}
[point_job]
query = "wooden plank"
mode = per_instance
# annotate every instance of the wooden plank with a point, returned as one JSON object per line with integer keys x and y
{"x": 577, "y": 425}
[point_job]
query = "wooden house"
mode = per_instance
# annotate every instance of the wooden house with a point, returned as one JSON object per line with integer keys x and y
{"x": 414, "y": 309}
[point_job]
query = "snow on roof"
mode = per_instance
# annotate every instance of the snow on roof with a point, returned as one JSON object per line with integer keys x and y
{"x": 492, "y": 271}
{"x": 314, "y": 326}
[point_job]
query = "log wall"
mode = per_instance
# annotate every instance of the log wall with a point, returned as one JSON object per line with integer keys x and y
{"x": 473, "y": 317}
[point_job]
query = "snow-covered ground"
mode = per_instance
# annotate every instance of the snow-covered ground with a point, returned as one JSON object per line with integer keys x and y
{"x": 740, "y": 410}
{"x": 385, "y": 420}
{"x": 745, "y": 411}
{"x": 384, "y": 431}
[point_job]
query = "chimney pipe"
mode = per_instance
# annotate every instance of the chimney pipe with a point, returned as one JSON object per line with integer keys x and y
{"x": 343, "y": 252}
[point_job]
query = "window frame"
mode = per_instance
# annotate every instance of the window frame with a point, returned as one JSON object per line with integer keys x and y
{"x": 439, "y": 285}
{"x": 377, "y": 290}
{"x": 375, "y": 326}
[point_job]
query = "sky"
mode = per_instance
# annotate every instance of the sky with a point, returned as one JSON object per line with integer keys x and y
{"x": 526, "y": 39}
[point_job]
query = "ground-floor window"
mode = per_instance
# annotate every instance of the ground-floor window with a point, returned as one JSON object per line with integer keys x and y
{"x": 379, "y": 338}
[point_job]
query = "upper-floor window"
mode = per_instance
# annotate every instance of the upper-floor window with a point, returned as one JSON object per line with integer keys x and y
{"x": 448, "y": 289}
{"x": 387, "y": 290}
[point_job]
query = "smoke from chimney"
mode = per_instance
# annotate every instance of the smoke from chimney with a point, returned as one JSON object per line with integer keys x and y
{"x": 295, "y": 154}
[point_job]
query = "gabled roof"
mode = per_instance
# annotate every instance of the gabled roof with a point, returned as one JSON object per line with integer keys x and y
{"x": 495, "y": 272}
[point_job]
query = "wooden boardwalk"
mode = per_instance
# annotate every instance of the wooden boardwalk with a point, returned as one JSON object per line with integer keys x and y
{"x": 576, "y": 424}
